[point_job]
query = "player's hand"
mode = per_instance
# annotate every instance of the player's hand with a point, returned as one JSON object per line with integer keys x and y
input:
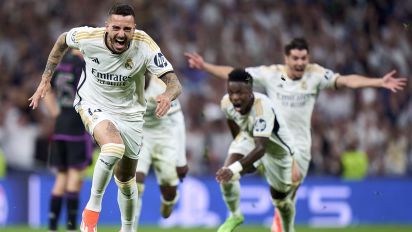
{"x": 41, "y": 91}
{"x": 224, "y": 175}
{"x": 195, "y": 60}
{"x": 163, "y": 105}
{"x": 393, "y": 83}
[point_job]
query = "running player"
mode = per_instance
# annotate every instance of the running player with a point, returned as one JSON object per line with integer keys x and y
{"x": 159, "y": 150}
{"x": 110, "y": 101}
{"x": 293, "y": 88}
{"x": 260, "y": 134}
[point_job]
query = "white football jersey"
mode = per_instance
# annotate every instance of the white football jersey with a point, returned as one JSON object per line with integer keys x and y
{"x": 155, "y": 88}
{"x": 262, "y": 121}
{"x": 294, "y": 100}
{"x": 115, "y": 82}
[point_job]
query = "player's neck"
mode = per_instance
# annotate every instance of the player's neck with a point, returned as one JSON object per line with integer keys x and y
{"x": 291, "y": 75}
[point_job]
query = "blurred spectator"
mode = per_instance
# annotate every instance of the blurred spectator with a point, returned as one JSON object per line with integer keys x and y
{"x": 354, "y": 161}
{"x": 395, "y": 160}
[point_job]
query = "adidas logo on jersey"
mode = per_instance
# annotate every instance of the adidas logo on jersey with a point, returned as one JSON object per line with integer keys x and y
{"x": 95, "y": 60}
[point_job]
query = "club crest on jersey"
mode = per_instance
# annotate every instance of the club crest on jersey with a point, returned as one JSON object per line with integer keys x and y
{"x": 160, "y": 60}
{"x": 260, "y": 125}
{"x": 129, "y": 64}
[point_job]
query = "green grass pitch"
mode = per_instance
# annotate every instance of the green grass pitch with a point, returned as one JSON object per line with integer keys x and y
{"x": 382, "y": 228}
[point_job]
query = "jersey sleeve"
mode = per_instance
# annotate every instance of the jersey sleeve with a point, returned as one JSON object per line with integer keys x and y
{"x": 157, "y": 63}
{"x": 73, "y": 37}
{"x": 264, "y": 120}
{"x": 328, "y": 78}
{"x": 259, "y": 74}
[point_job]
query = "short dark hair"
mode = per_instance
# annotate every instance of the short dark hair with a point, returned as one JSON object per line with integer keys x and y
{"x": 240, "y": 75}
{"x": 122, "y": 9}
{"x": 297, "y": 43}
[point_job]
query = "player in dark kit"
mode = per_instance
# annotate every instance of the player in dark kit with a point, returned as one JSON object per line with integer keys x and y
{"x": 71, "y": 147}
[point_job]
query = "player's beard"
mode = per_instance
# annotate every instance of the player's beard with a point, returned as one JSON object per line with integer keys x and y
{"x": 118, "y": 44}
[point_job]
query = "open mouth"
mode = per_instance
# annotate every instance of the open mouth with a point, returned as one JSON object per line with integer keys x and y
{"x": 119, "y": 43}
{"x": 237, "y": 107}
{"x": 300, "y": 69}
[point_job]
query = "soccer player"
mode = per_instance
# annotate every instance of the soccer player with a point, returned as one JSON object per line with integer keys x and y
{"x": 179, "y": 131}
{"x": 159, "y": 150}
{"x": 71, "y": 144}
{"x": 293, "y": 88}
{"x": 110, "y": 101}
{"x": 260, "y": 134}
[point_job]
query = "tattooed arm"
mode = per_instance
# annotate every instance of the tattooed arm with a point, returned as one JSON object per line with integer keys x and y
{"x": 173, "y": 90}
{"x": 173, "y": 87}
{"x": 55, "y": 56}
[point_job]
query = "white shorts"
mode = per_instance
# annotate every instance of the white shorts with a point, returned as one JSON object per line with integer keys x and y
{"x": 277, "y": 162}
{"x": 303, "y": 160}
{"x": 130, "y": 129}
{"x": 179, "y": 136}
{"x": 159, "y": 150}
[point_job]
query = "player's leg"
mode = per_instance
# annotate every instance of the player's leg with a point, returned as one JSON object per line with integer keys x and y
{"x": 278, "y": 172}
{"x": 108, "y": 137}
{"x": 140, "y": 178}
{"x": 56, "y": 200}
{"x": 179, "y": 131}
{"x": 78, "y": 158}
{"x": 284, "y": 209}
{"x": 169, "y": 198}
{"x": 231, "y": 196}
{"x": 142, "y": 169}
{"x": 164, "y": 164}
{"x": 127, "y": 193}
{"x": 57, "y": 160}
{"x": 240, "y": 146}
{"x": 299, "y": 170}
{"x": 73, "y": 187}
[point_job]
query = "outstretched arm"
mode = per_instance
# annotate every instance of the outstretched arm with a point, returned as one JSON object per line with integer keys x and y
{"x": 196, "y": 61}
{"x": 55, "y": 56}
{"x": 173, "y": 90}
{"x": 388, "y": 81}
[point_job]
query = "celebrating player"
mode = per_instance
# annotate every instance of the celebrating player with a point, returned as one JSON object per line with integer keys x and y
{"x": 110, "y": 101}
{"x": 260, "y": 133}
{"x": 160, "y": 150}
{"x": 293, "y": 88}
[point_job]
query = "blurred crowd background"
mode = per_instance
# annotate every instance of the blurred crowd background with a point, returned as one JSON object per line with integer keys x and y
{"x": 356, "y": 134}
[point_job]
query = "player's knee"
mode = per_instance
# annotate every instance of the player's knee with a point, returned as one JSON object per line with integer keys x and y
{"x": 277, "y": 195}
{"x": 113, "y": 149}
{"x": 170, "y": 179}
{"x": 127, "y": 188}
{"x": 170, "y": 196}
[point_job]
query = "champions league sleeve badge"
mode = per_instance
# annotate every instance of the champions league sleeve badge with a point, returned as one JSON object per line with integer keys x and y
{"x": 260, "y": 125}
